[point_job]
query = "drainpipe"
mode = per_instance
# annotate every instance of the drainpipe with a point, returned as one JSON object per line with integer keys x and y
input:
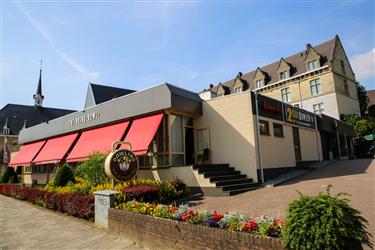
{"x": 258, "y": 137}
{"x": 300, "y": 95}
{"x": 316, "y": 135}
{"x": 338, "y": 139}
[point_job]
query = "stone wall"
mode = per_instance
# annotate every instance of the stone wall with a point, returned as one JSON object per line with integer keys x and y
{"x": 158, "y": 233}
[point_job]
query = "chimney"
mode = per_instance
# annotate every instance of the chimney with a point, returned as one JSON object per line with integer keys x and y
{"x": 210, "y": 86}
{"x": 239, "y": 74}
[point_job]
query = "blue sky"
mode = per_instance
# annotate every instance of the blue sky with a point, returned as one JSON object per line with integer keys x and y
{"x": 136, "y": 45}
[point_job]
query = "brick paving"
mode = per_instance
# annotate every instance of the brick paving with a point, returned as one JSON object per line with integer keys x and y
{"x": 356, "y": 177}
{"x": 25, "y": 226}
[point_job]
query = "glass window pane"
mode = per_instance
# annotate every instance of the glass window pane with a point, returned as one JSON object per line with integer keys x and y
{"x": 177, "y": 159}
{"x": 176, "y": 133}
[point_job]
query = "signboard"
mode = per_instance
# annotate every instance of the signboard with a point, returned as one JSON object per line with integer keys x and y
{"x": 298, "y": 116}
{"x": 83, "y": 119}
{"x": 122, "y": 164}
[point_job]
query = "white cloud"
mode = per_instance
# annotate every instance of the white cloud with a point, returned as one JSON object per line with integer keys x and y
{"x": 63, "y": 55}
{"x": 364, "y": 64}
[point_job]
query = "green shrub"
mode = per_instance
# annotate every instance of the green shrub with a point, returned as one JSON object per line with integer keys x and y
{"x": 92, "y": 170}
{"x": 324, "y": 222}
{"x": 10, "y": 176}
{"x": 63, "y": 176}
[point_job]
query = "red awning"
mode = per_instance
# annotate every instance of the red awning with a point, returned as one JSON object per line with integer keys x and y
{"x": 142, "y": 132}
{"x": 26, "y": 154}
{"x": 55, "y": 149}
{"x": 96, "y": 140}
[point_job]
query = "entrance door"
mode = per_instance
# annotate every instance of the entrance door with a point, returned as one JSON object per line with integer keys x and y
{"x": 297, "y": 145}
{"x": 189, "y": 145}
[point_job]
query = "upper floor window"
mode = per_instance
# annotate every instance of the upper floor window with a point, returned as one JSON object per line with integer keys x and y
{"x": 313, "y": 65}
{"x": 259, "y": 83}
{"x": 236, "y": 90}
{"x": 284, "y": 75}
{"x": 318, "y": 108}
{"x": 342, "y": 67}
{"x": 264, "y": 127}
{"x": 346, "y": 87}
{"x": 285, "y": 95}
{"x": 6, "y": 131}
{"x": 315, "y": 86}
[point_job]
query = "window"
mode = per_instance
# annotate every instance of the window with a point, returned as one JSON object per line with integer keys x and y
{"x": 263, "y": 127}
{"x": 283, "y": 75}
{"x": 27, "y": 169}
{"x": 346, "y": 87}
{"x": 313, "y": 65}
{"x": 177, "y": 139}
{"x": 259, "y": 83}
{"x": 236, "y": 90}
{"x": 285, "y": 95}
{"x": 318, "y": 108}
{"x": 278, "y": 130}
{"x": 315, "y": 86}
{"x": 342, "y": 67}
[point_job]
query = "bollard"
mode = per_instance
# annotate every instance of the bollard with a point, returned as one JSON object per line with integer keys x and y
{"x": 104, "y": 199}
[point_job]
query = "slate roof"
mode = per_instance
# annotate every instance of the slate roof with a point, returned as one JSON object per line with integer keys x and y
{"x": 297, "y": 62}
{"x": 102, "y": 93}
{"x": 17, "y": 114}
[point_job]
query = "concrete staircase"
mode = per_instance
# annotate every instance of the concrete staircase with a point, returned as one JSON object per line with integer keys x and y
{"x": 227, "y": 179}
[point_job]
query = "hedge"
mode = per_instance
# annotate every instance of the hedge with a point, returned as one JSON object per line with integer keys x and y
{"x": 78, "y": 205}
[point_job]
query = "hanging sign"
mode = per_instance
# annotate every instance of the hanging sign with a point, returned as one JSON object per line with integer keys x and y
{"x": 299, "y": 116}
{"x": 121, "y": 164}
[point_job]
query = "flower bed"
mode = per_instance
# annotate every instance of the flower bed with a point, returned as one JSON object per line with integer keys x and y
{"x": 265, "y": 226}
{"x": 73, "y": 204}
{"x": 160, "y": 233}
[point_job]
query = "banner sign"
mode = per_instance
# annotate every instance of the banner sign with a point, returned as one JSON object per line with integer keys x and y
{"x": 298, "y": 116}
{"x": 121, "y": 164}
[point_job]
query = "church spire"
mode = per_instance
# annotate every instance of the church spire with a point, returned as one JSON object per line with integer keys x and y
{"x": 38, "y": 97}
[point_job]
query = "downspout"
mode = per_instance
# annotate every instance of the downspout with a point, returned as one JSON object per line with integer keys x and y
{"x": 300, "y": 94}
{"x": 258, "y": 136}
{"x": 317, "y": 138}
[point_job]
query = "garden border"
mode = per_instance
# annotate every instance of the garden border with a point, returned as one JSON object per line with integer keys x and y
{"x": 159, "y": 233}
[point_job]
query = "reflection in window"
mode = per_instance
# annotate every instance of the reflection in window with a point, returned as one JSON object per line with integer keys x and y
{"x": 264, "y": 127}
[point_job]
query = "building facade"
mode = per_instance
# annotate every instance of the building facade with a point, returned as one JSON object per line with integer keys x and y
{"x": 319, "y": 79}
{"x": 213, "y": 145}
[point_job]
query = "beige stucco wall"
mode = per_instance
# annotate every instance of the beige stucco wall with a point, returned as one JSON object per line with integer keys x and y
{"x": 27, "y": 178}
{"x": 277, "y": 151}
{"x": 186, "y": 173}
{"x": 347, "y": 105}
{"x": 231, "y": 129}
{"x": 310, "y": 144}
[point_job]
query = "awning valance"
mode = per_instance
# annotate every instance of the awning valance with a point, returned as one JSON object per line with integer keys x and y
{"x": 142, "y": 131}
{"x": 55, "y": 149}
{"x": 26, "y": 154}
{"x": 96, "y": 140}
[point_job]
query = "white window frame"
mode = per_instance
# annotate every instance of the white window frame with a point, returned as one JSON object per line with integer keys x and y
{"x": 315, "y": 86}
{"x": 284, "y": 75}
{"x": 285, "y": 94}
{"x": 312, "y": 65}
{"x": 259, "y": 83}
{"x": 236, "y": 90}
{"x": 318, "y": 108}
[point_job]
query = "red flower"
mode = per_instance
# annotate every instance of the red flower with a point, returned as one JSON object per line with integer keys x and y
{"x": 188, "y": 214}
{"x": 249, "y": 226}
{"x": 216, "y": 216}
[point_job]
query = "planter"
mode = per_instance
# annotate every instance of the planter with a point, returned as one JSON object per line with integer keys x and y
{"x": 158, "y": 233}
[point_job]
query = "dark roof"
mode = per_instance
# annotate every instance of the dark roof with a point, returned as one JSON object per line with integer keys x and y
{"x": 17, "y": 115}
{"x": 103, "y": 93}
{"x": 371, "y": 97}
{"x": 296, "y": 61}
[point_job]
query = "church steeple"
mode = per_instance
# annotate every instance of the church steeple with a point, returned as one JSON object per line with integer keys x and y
{"x": 38, "y": 97}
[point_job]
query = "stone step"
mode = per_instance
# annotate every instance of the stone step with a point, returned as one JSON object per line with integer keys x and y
{"x": 227, "y": 177}
{"x": 221, "y": 173}
{"x": 239, "y": 191}
{"x": 234, "y": 181}
{"x": 239, "y": 186}
{"x": 214, "y": 169}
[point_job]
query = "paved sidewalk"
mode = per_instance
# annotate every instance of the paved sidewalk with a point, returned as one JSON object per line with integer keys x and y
{"x": 24, "y": 226}
{"x": 356, "y": 177}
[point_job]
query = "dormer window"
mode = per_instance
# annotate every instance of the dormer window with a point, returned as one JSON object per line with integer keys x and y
{"x": 6, "y": 131}
{"x": 236, "y": 90}
{"x": 259, "y": 83}
{"x": 284, "y": 75}
{"x": 313, "y": 65}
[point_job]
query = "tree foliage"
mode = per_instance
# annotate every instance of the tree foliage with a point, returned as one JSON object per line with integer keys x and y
{"x": 63, "y": 176}
{"x": 10, "y": 176}
{"x": 361, "y": 126}
{"x": 362, "y": 98}
{"x": 324, "y": 221}
{"x": 371, "y": 111}
{"x": 92, "y": 170}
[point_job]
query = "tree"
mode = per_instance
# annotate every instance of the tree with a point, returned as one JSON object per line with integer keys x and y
{"x": 361, "y": 126}
{"x": 362, "y": 98}
{"x": 92, "y": 170}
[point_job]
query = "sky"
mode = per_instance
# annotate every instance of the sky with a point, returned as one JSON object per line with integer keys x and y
{"x": 190, "y": 44}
